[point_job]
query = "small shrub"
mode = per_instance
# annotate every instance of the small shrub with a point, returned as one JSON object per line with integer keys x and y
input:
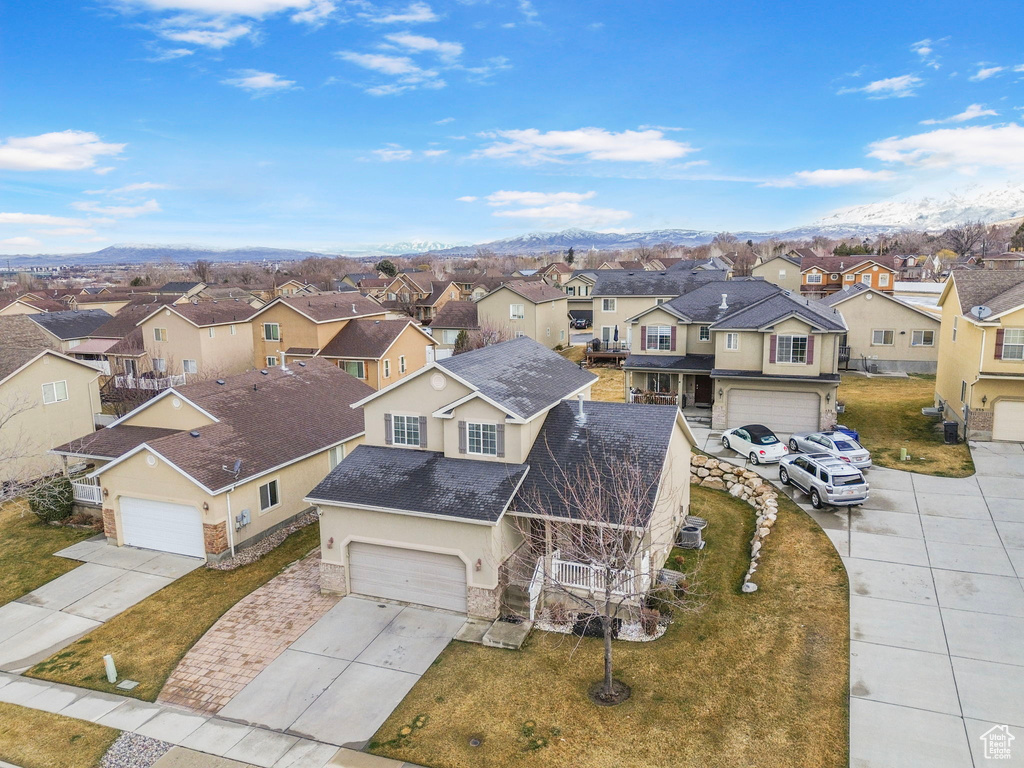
{"x": 559, "y": 347}
{"x": 662, "y": 599}
{"x": 649, "y": 620}
{"x": 558, "y": 614}
{"x": 51, "y": 500}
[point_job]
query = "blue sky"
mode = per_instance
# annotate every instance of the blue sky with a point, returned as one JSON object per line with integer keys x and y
{"x": 324, "y": 123}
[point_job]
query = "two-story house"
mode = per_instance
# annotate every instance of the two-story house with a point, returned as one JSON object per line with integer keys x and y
{"x": 437, "y": 505}
{"x": 454, "y": 318}
{"x": 71, "y": 327}
{"x": 783, "y": 271}
{"x": 418, "y": 295}
{"x": 823, "y": 275}
{"x": 533, "y": 309}
{"x": 752, "y": 352}
{"x": 578, "y": 289}
{"x": 980, "y": 378}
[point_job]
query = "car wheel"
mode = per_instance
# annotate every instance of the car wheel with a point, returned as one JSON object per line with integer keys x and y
{"x": 753, "y": 458}
{"x": 784, "y": 477}
{"x": 725, "y": 442}
{"x": 815, "y": 500}
{"x": 793, "y": 446}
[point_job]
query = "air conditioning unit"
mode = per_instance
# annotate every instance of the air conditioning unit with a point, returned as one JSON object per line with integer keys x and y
{"x": 690, "y": 538}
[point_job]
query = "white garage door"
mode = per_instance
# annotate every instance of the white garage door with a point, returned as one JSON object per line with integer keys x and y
{"x": 1008, "y": 420}
{"x": 779, "y": 411}
{"x": 409, "y": 575}
{"x": 162, "y": 526}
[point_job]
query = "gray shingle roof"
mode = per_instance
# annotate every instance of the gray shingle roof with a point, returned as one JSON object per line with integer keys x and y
{"x": 778, "y": 307}
{"x": 672, "y": 363}
{"x": 998, "y": 289}
{"x": 704, "y": 303}
{"x": 572, "y": 450}
{"x": 844, "y": 293}
{"x": 725, "y": 373}
{"x": 521, "y": 374}
{"x": 457, "y": 314}
{"x": 674, "y": 282}
{"x": 536, "y": 292}
{"x": 178, "y": 287}
{"x": 423, "y": 482}
{"x": 72, "y": 324}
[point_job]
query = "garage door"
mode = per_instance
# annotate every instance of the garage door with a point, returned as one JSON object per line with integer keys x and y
{"x": 779, "y": 411}
{"x": 1008, "y": 420}
{"x": 409, "y": 575}
{"x": 162, "y": 526}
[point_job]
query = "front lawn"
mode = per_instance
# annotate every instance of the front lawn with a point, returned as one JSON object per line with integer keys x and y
{"x": 887, "y": 413}
{"x": 26, "y": 549}
{"x": 750, "y": 680}
{"x": 611, "y": 382}
{"x": 150, "y": 638}
{"x": 33, "y": 739}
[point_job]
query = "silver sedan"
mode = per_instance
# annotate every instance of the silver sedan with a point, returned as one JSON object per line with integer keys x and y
{"x": 838, "y": 444}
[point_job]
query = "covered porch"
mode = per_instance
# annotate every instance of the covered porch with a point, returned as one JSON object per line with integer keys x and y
{"x": 663, "y": 380}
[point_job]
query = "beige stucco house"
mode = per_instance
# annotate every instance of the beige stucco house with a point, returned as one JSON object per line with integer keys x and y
{"x": 204, "y": 340}
{"x": 783, "y": 271}
{"x": 533, "y": 309}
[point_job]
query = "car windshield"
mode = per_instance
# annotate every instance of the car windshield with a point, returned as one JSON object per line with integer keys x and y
{"x": 845, "y": 445}
{"x": 765, "y": 439}
{"x": 847, "y": 480}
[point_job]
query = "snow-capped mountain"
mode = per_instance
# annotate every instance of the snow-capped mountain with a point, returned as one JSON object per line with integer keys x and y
{"x": 397, "y": 249}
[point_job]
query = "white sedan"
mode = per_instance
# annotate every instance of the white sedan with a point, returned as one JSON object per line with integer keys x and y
{"x": 756, "y": 442}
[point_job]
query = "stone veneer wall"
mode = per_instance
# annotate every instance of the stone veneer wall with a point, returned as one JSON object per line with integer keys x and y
{"x": 721, "y": 475}
{"x": 215, "y": 538}
{"x": 483, "y": 603}
{"x": 109, "y": 524}
{"x": 332, "y": 579}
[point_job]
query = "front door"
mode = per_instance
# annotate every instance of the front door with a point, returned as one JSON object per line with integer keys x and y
{"x": 702, "y": 390}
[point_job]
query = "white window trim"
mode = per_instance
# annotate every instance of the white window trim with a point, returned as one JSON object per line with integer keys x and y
{"x": 481, "y": 424}
{"x": 401, "y": 364}
{"x": 360, "y": 363}
{"x": 1006, "y": 344}
{"x": 387, "y": 368}
{"x": 259, "y": 492}
{"x": 955, "y": 318}
{"x": 232, "y": 329}
{"x": 655, "y": 332}
{"x": 778, "y": 349}
{"x": 516, "y": 311}
{"x": 730, "y": 337}
{"x": 53, "y": 386}
{"x": 394, "y": 432}
{"x": 866, "y": 278}
{"x": 160, "y": 365}
{"x": 701, "y": 331}
{"x": 921, "y": 343}
{"x": 883, "y": 279}
{"x": 212, "y": 332}
{"x": 271, "y": 361}
{"x": 609, "y": 305}
{"x": 883, "y": 342}
{"x": 159, "y": 334}
{"x": 271, "y": 325}
{"x": 814, "y": 278}
{"x": 185, "y": 366}
{"x": 335, "y": 456}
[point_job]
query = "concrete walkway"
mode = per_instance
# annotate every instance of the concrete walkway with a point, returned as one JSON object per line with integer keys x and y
{"x": 936, "y": 570}
{"x": 111, "y": 580}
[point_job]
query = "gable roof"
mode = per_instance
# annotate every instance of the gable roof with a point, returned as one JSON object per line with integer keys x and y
{"x": 704, "y": 303}
{"x": 794, "y": 260}
{"x": 71, "y": 323}
{"x": 457, "y": 314}
{"x": 125, "y": 319}
{"x": 841, "y": 264}
{"x": 803, "y": 253}
{"x": 23, "y": 340}
{"x": 421, "y": 483}
{"x": 779, "y": 307}
{"x": 366, "y": 338}
{"x": 556, "y": 266}
{"x": 182, "y": 286}
{"x": 112, "y": 443}
{"x": 326, "y": 307}
{"x": 674, "y": 282}
{"x": 859, "y": 289}
{"x": 1001, "y": 290}
{"x": 204, "y": 313}
{"x": 534, "y": 292}
{"x": 1006, "y": 256}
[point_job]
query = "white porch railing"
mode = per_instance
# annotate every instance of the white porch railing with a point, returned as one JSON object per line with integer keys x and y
{"x": 138, "y": 382}
{"x": 86, "y": 492}
{"x": 591, "y": 578}
{"x": 536, "y": 587}
{"x": 654, "y": 398}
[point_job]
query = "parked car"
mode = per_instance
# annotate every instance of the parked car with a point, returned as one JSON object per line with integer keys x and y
{"x": 837, "y": 444}
{"x": 826, "y": 479}
{"x": 756, "y": 442}
{"x": 581, "y": 322}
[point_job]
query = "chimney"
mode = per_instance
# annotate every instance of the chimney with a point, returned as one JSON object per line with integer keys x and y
{"x": 724, "y": 304}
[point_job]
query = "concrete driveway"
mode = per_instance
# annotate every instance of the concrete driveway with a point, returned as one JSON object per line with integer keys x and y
{"x": 936, "y": 569}
{"x": 344, "y": 676}
{"x": 111, "y": 580}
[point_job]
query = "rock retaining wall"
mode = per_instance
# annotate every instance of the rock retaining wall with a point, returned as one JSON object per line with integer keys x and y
{"x": 721, "y": 475}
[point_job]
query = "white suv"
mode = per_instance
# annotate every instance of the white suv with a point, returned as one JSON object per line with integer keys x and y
{"x": 826, "y": 479}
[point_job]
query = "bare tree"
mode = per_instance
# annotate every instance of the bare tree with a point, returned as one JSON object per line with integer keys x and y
{"x": 961, "y": 238}
{"x": 202, "y": 269}
{"x": 487, "y": 334}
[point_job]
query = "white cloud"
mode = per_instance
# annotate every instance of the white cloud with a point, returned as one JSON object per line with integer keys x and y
{"x": 508, "y": 197}
{"x": 529, "y": 12}
{"x": 444, "y": 121}
{"x": 259, "y": 83}
{"x": 29, "y": 242}
{"x": 251, "y": 8}
{"x": 407, "y": 73}
{"x": 41, "y": 219}
{"x": 316, "y": 13}
{"x": 214, "y": 34}
{"x": 534, "y": 146}
{"x": 420, "y": 44}
{"x": 891, "y": 87}
{"x": 972, "y": 112}
{"x": 68, "y": 231}
{"x": 550, "y": 208}
{"x": 393, "y": 154}
{"x": 993, "y": 146}
{"x": 171, "y": 54}
{"x": 416, "y": 13}
{"x": 985, "y": 73}
{"x": 467, "y": 199}
{"x": 57, "y": 151}
{"x": 119, "y": 211}
{"x": 434, "y": 152}
{"x": 837, "y": 177}
{"x": 925, "y": 49}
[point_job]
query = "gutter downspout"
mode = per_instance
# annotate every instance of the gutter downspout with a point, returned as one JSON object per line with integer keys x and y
{"x": 231, "y": 523}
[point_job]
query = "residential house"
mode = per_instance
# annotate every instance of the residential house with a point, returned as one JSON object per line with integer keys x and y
{"x": 30, "y": 305}
{"x": 485, "y": 284}
{"x": 578, "y": 289}
{"x": 980, "y": 379}
{"x": 885, "y": 333}
{"x": 294, "y": 288}
{"x": 207, "y": 468}
{"x": 748, "y": 350}
{"x": 798, "y": 254}
{"x": 783, "y": 271}
{"x": 117, "y": 346}
{"x": 454, "y": 318}
{"x": 556, "y": 273}
{"x": 183, "y": 289}
{"x": 827, "y": 274}
{"x": 208, "y": 339}
{"x": 1008, "y": 260}
{"x": 71, "y": 327}
{"x": 46, "y": 398}
{"x": 439, "y": 506}
{"x": 535, "y": 309}
{"x": 419, "y": 296}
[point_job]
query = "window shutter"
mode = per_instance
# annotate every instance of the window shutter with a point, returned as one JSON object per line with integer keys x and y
{"x": 999, "y": 343}
{"x": 810, "y": 349}
{"x": 673, "y": 347}
{"x": 643, "y": 338}
{"x": 462, "y": 437}
{"x": 423, "y": 431}
{"x": 388, "y": 439}
{"x": 772, "y": 345}
{"x": 500, "y": 435}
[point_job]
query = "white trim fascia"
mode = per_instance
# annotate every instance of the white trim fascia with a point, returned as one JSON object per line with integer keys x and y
{"x": 1000, "y": 377}
{"x": 281, "y": 299}
{"x": 144, "y": 447}
{"x": 440, "y": 412}
{"x": 392, "y": 511}
{"x": 43, "y": 353}
{"x": 161, "y": 396}
{"x": 564, "y": 519}
{"x": 389, "y": 387}
{"x": 664, "y": 306}
{"x": 398, "y": 335}
{"x": 55, "y": 452}
{"x": 156, "y": 309}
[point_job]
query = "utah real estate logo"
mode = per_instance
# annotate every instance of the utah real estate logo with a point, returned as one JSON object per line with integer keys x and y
{"x": 998, "y": 740}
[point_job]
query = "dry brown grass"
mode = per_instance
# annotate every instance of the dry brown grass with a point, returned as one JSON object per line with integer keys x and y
{"x": 149, "y": 639}
{"x": 611, "y": 382}
{"x": 887, "y": 413}
{"x": 751, "y": 680}
{"x": 26, "y": 546}
{"x": 33, "y": 739}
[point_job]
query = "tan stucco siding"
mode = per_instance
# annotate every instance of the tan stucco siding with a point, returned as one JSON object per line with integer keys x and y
{"x": 222, "y": 355}
{"x": 780, "y": 272}
{"x": 659, "y": 317}
{"x": 411, "y": 344}
{"x": 673, "y": 501}
{"x": 547, "y": 323}
{"x": 414, "y": 398}
{"x": 295, "y": 331}
{"x": 748, "y": 357}
{"x": 960, "y": 359}
{"x": 625, "y": 308}
{"x": 867, "y": 313}
{"x": 825, "y": 351}
{"x": 169, "y": 412}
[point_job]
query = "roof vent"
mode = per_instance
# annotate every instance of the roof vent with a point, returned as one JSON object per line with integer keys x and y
{"x": 725, "y": 303}
{"x": 353, "y": 309}
{"x": 302, "y": 364}
{"x": 376, "y": 322}
{"x": 264, "y": 371}
{"x": 194, "y": 433}
{"x": 221, "y": 382}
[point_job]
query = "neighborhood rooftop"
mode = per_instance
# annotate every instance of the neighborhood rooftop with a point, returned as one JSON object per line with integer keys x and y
{"x": 72, "y": 324}
{"x": 365, "y": 338}
{"x": 536, "y": 292}
{"x": 614, "y": 282}
{"x": 457, "y": 314}
{"x": 325, "y": 307}
{"x": 998, "y": 289}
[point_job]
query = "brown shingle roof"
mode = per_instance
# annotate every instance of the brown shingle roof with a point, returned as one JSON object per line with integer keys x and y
{"x": 113, "y": 442}
{"x": 22, "y": 340}
{"x": 215, "y": 312}
{"x": 457, "y": 314}
{"x": 537, "y": 292}
{"x": 998, "y": 289}
{"x": 366, "y": 338}
{"x": 842, "y": 264}
{"x": 124, "y": 322}
{"x": 331, "y": 306}
{"x": 130, "y": 345}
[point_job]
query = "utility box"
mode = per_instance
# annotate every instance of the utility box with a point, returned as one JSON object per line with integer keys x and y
{"x": 951, "y": 432}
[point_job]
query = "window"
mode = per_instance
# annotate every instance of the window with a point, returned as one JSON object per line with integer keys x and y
{"x": 660, "y": 382}
{"x": 732, "y": 341}
{"x": 848, "y": 278}
{"x": 188, "y": 366}
{"x": 704, "y": 333}
{"x": 405, "y": 430}
{"x": 883, "y": 279}
{"x": 570, "y": 290}
{"x": 482, "y": 439}
{"x": 271, "y": 361}
{"x": 866, "y": 278}
{"x": 882, "y": 338}
{"x": 74, "y": 343}
{"x": 336, "y": 454}
{"x": 561, "y": 335}
{"x": 449, "y": 336}
{"x": 159, "y": 334}
{"x": 608, "y": 305}
{"x": 159, "y": 364}
{"x": 231, "y": 329}
{"x": 791, "y": 349}
{"x": 659, "y": 337}
{"x": 833, "y": 277}
{"x": 954, "y": 327}
{"x": 1013, "y": 344}
{"x": 212, "y": 331}
{"x": 271, "y": 332}
{"x": 963, "y": 391}
{"x": 782, "y": 274}
{"x": 401, "y": 363}
{"x": 813, "y": 278}
{"x": 659, "y": 302}
{"x": 353, "y": 368}
{"x": 922, "y": 339}
{"x": 270, "y": 496}
{"x": 516, "y": 311}
{"x": 55, "y": 392}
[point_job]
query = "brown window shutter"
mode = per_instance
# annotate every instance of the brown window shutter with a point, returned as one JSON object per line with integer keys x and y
{"x": 810, "y": 349}
{"x": 643, "y": 338}
{"x": 388, "y": 434}
{"x": 999, "y": 343}
{"x": 462, "y": 437}
{"x": 423, "y": 431}
{"x": 673, "y": 347}
{"x": 773, "y": 343}
{"x": 500, "y": 439}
